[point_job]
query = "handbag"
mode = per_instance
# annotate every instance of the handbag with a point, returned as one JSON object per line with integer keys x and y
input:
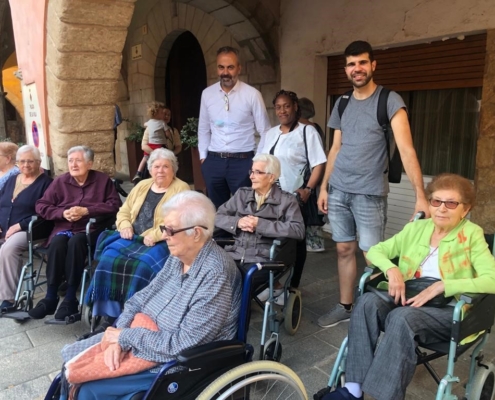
{"x": 309, "y": 210}
{"x": 413, "y": 288}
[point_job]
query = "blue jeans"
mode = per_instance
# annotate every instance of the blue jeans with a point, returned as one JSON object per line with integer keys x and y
{"x": 349, "y": 212}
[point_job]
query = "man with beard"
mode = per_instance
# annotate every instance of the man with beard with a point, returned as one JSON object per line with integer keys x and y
{"x": 231, "y": 113}
{"x": 355, "y": 185}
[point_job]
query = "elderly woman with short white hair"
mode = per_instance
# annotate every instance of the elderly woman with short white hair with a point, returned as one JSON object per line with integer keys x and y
{"x": 71, "y": 200}
{"x": 125, "y": 265}
{"x": 256, "y": 215}
{"x": 17, "y": 201}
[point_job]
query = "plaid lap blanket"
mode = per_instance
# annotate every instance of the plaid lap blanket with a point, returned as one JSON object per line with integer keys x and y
{"x": 124, "y": 267}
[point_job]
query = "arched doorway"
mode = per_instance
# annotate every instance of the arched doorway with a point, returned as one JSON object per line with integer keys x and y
{"x": 185, "y": 79}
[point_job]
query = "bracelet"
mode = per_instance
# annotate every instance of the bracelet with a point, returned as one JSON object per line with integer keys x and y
{"x": 309, "y": 188}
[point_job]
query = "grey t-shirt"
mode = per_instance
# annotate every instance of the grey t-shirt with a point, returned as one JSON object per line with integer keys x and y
{"x": 361, "y": 164}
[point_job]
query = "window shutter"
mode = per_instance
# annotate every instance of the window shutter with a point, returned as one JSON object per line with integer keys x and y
{"x": 446, "y": 64}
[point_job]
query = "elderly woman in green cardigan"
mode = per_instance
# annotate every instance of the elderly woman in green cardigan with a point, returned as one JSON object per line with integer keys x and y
{"x": 447, "y": 247}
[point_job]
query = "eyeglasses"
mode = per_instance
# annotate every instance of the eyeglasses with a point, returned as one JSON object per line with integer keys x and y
{"x": 22, "y": 162}
{"x": 257, "y": 172}
{"x": 226, "y": 100}
{"x": 172, "y": 232}
{"x": 451, "y": 205}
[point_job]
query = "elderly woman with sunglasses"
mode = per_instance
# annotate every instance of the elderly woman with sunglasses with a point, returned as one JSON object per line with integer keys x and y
{"x": 447, "y": 247}
{"x": 195, "y": 299}
{"x": 131, "y": 257}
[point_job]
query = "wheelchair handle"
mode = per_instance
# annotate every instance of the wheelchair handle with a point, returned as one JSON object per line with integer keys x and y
{"x": 419, "y": 215}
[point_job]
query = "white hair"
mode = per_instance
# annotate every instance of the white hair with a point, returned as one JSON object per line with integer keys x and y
{"x": 163, "y": 154}
{"x": 194, "y": 209}
{"x": 89, "y": 155}
{"x": 27, "y": 148}
{"x": 272, "y": 164}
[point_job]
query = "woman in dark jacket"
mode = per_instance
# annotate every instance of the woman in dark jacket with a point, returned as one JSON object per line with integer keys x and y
{"x": 257, "y": 215}
{"x": 70, "y": 202}
{"x": 17, "y": 205}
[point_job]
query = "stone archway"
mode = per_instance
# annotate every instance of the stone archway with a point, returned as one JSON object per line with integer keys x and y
{"x": 82, "y": 73}
{"x": 162, "y": 27}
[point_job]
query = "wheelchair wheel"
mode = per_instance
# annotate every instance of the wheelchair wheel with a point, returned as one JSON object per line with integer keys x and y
{"x": 272, "y": 351}
{"x": 87, "y": 318}
{"x": 293, "y": 312}
{"x": 255, "y": 381}
{"x": 483, "y": 386}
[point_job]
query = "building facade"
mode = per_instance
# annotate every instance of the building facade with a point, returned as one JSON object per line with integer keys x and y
{"x": 86, "y": 56}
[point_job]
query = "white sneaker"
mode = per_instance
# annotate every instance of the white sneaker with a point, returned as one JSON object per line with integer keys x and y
{"x": 263, "y": 296}
{"x": 315, "y": 248}
{"x": 280, "y": 300}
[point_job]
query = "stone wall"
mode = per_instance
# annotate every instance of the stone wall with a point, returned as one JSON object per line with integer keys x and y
{"x": 165, "y": 21}
{"x": 310, "y": 30}
{"x": 84, "y": 44}
{"x": 484, "y": 212}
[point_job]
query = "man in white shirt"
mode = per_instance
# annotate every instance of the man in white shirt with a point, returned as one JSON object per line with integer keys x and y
{"x": 231, "y": 113}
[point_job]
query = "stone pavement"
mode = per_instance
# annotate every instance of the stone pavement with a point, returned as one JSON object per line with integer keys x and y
{"x": 30, "y": 352}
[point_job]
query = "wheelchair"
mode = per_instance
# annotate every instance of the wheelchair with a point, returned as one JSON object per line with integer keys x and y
{"x": 282, "y": 252}
{"x": 481, "y": 380}
{"x": 223, "y": 369}
{"x": 30, "y": 274}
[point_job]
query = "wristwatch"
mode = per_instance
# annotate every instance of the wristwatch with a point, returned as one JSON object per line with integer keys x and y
{"x": 311, "y": 190}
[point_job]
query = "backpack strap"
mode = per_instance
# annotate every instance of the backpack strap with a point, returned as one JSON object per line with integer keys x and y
{"x": 381, "y": 111}
{"x": 382, "y": 117}
{"x": 344, "y": 100}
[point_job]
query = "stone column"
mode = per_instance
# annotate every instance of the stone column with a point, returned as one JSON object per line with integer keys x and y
{"x": 484, "y": 212}
{"x": 84, "y": 45}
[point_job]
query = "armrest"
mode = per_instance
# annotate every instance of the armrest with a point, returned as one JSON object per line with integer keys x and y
{"x": 222, "y": 242}
{"x": 211, "y": 352}
{"x": 480, "y": 316}
{"x": 472, "y": 298}
{"x": 271, "y": 265}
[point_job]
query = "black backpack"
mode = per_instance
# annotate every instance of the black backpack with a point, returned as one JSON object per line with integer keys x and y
{"x": 394, "y": 162}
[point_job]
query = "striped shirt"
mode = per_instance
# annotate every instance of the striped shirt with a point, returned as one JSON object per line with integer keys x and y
{"x": 198, "y": 307}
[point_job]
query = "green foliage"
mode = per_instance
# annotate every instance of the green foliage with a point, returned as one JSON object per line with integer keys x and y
{"x": 137, "y": 132}
{"x": 7, "y": 139}
{"x": 189, "y": 133}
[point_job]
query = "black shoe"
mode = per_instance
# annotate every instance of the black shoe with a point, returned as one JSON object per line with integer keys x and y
{"x": 43, "y": 308}
{"x": 66, "y": 309}
{"x": 341, "y": 393}
{"x": 6, "y": 304}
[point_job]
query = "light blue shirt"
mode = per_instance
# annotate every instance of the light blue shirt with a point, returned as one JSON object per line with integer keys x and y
{"x": 8, "y": 174}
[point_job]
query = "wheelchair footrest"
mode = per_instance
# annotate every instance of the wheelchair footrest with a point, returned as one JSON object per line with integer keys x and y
{"x": 18, "y": 315}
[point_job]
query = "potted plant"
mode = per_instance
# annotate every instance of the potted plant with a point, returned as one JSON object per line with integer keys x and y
{"x": 133, "y": 142}
{"x": 189, "y": 133}
{"x": 189, "y": 139}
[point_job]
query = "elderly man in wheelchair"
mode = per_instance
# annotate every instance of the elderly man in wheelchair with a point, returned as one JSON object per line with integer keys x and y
{"x": 439, "y": 259}
{"x": 195, "y": 299}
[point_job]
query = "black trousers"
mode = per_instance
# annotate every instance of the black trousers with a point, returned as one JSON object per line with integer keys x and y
{"x": 67, "y": 258}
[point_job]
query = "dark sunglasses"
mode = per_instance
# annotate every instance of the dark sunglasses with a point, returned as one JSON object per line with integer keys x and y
{"x": 172, "y": 232}
{"x": 451, "y": 205}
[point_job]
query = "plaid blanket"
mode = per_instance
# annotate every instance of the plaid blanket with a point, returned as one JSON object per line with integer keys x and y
{"x": 124, "y": 267}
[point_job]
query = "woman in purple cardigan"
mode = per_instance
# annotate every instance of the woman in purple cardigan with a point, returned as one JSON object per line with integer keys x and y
{"x": 71, "y": 200}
